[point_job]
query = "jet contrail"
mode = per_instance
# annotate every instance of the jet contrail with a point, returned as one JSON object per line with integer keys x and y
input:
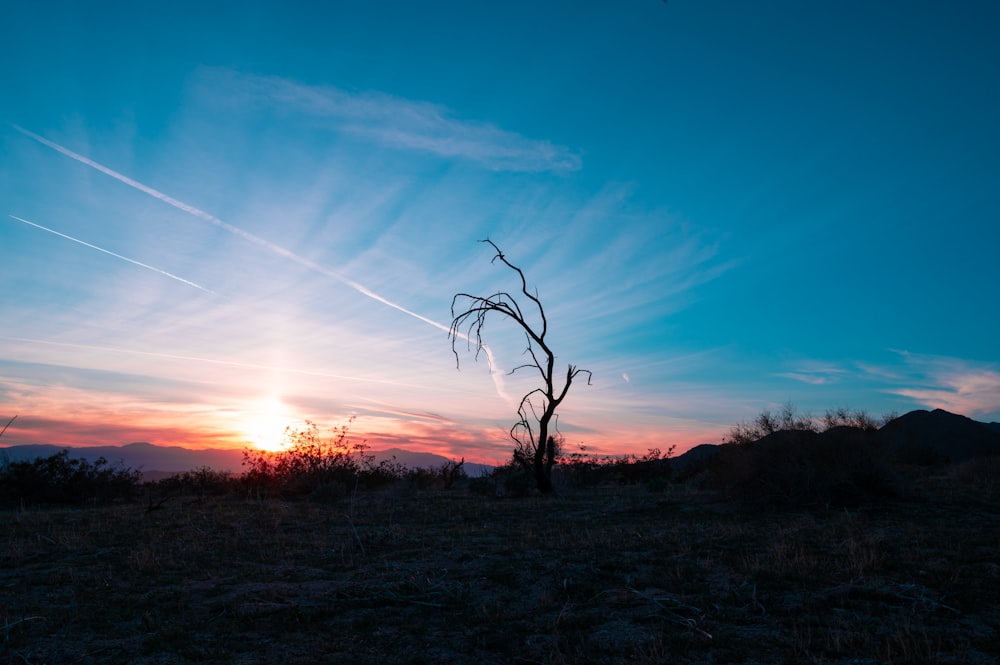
{"x": 235, "y": 230}
{"x": 497, "y": 376}
{"x": 110, "y": 253}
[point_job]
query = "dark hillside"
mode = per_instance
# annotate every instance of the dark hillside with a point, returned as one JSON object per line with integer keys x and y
{"x": 927, "y": 437}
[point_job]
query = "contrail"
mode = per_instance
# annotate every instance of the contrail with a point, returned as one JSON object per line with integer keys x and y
{"x": 235, "y": 230}
{"x": 110, "y": 253}
{"x": 497, "y": 376}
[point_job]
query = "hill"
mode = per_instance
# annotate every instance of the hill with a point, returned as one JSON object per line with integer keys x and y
{"x": 920, "y": 436}
{"x": 939, "y": 436}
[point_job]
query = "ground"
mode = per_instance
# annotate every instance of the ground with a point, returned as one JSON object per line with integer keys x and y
{"x": 600, "y": 575}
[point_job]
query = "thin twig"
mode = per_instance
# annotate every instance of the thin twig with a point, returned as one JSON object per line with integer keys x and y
{"x": 7, "y": 425}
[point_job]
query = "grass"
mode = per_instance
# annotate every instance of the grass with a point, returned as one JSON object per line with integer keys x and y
{"x": 602, "y": 575}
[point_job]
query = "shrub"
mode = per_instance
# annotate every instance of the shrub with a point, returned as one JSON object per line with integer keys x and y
{"x": 308, "y": 463}
{"x": 442, "y": 477}
{"x": 582, "y": 470}
{"x": 201, "y": 482}
{"x": 59, "y": 479}
{"x": 314, "y": 466}
{"x": 510, "y": 480}
{"x": 787, "y": 418}
{"x": 860, "y": 419}
{"x": 769, "y": 423}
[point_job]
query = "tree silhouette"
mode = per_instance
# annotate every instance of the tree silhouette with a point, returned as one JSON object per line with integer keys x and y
{"x": 535, "y": 448}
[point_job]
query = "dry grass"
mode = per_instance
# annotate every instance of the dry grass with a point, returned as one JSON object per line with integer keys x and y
{"x": 606, "y": 575}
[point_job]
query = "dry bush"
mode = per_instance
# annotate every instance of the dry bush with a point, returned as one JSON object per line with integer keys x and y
{"x": 580, "y": 470}
{"x": 60, "y": 479}
{"x": 770, "y": 423}
{"x": 860, "y": 419}
{"x": 442, "y": 477}
{"x": 788, "y": 418}
{"x": 315, "y": 467}
{"x": 201, "y": 482}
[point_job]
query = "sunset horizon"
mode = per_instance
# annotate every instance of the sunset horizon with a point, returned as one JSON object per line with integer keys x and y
{"x": 218, "y": 225}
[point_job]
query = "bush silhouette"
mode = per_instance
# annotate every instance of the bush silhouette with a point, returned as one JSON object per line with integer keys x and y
{"x": 788, "y": 419}
{"x": 315, "y": 467}
{"x": 60, "y": 479}
{"x": 442, "y": 477}
{"x": 201, "y": 482}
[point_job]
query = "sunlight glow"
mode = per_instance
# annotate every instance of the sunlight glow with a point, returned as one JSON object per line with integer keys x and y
{"x": 265, "y": 426}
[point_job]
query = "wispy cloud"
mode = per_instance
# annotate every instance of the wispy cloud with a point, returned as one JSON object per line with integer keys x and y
{"x": 274, "y": 369}
{"x": 953, "y": 384}
{"x": 386, "y": 409}
{"x": 395, "y": 122}
{"x": 110, "y": 253}
{"x": 815, "y": 374}
{"x": 495, "y": 372}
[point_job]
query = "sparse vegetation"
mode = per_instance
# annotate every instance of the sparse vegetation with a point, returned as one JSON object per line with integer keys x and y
{"x": 443, "y": 477}
{"x": 201, "y": 482}
{"x": 60, "y": 479}
{"x": 768, "y": 422}
{"x": 787, "y": 418}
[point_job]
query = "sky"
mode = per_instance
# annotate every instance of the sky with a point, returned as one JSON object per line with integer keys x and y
{"x": 219, "y": 220}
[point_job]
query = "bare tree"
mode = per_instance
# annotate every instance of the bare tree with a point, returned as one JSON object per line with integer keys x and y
{"x": 533, "y": 434}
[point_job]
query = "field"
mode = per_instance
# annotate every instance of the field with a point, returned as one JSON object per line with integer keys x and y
{"x": 614, "y": 574}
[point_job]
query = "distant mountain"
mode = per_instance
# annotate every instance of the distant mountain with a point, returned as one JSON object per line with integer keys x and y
{"x": 157, "y": 462}
{"x": 417, "y": 460}
{"x": 144, "y": 457}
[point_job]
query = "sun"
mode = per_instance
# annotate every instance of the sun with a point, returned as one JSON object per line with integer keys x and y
{"x": 266, "y": 425}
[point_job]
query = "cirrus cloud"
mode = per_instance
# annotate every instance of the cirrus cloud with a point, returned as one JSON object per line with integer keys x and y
{"x": 390, "y": 120}
{"x": 953, "y": 384}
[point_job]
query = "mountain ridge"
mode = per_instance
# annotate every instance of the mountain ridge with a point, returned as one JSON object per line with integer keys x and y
{"x": 920, "y": 436}
{"x": 930, "y": 436}
{"x": 155, "y": 461}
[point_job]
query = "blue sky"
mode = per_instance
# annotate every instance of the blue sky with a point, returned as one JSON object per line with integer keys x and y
{"x": 220, "y": 221}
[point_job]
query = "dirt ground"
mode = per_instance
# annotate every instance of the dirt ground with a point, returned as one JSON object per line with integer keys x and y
{"x": 602, "y": 575}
